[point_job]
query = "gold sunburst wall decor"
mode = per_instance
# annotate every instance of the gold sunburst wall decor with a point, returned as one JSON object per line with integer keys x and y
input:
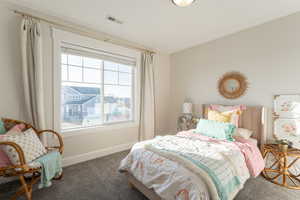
{"x": 232, "y": 85}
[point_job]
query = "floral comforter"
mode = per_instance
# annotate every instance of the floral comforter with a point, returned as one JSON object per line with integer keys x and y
{"x": 187, "y": 167}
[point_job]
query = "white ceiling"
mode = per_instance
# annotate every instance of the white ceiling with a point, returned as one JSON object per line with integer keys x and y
{"x": 160, "y": 25}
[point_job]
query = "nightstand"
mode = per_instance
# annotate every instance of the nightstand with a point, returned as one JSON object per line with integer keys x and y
{"x": 187, "y": 122}
{"x": 281, "y": 166}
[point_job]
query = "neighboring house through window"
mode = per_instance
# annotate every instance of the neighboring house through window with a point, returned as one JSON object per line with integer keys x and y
{"x": 94, "y": 91}
{"x": 97, "y": 86}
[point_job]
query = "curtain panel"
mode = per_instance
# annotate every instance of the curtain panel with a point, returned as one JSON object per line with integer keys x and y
{"x": 147, "y": 98}
{"x": 32, "y": 71}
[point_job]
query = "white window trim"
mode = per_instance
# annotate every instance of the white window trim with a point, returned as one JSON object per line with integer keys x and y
{"x": 60, "y": 37}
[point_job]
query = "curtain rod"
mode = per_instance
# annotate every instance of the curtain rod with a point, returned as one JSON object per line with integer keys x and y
{"x": 82, "y": 32}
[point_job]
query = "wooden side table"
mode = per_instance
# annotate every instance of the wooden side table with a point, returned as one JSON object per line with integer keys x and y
{"x": 279, "y": 172}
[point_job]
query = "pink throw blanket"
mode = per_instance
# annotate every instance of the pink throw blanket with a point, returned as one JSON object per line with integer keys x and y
{"x": 253, "y": 157}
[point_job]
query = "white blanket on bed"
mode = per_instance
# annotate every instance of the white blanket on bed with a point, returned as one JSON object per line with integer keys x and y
{"x": 171, "y": 179}
{"x": 222, "y": 166}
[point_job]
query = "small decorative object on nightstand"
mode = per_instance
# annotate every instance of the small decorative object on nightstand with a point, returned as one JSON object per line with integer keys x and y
{"x": 186, "y": 123}
{"x": 187, "y": 120}
{"x": 281, "y": 165}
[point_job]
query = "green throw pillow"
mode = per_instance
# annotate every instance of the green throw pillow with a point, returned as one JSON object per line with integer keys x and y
{"x": 217, "y": 130}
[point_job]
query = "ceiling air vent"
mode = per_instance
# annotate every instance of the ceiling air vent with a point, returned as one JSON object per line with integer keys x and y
{"x": 113, "y": 19}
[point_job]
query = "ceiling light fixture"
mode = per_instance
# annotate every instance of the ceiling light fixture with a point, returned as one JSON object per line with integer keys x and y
{"x": 183, "y": 3}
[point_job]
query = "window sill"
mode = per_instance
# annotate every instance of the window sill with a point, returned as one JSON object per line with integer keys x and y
{"x": 96, "y": 129}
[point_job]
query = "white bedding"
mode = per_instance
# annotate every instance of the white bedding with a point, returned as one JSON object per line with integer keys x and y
{"x": 253, "y": 140}
{"x": 163, "y": 175}
{"x": 169, "y": 179}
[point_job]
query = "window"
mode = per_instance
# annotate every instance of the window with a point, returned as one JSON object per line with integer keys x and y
{"x": 95, "y": 89}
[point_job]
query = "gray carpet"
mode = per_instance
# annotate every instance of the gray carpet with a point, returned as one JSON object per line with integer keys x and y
{"x": 99, "y": 180}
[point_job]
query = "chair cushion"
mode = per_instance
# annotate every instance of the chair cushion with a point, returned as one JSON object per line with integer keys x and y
{"x": 30, "y": 144}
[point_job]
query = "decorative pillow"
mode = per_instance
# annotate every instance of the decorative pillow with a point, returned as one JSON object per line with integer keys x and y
{"x": 10, "y": 124}
{"x": 18, "y": 128}
{"x": 4, "y": 160}
{"x": 243, "y": 133}
{"x": 235, "y": 117}
{"x": 233, "y": 111}
{"x": 215, "y": 129}
{"x": 222, "y": 108}
{"x": 2, "y": 127}
{"x": 218, "y": 116}
{"x": 30, "y": 144}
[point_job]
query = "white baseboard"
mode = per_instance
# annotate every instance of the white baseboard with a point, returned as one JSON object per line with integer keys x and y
{"x": 95, "y": 154}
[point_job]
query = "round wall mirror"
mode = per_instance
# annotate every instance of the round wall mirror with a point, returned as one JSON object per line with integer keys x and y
{"x": 232, "y": 85}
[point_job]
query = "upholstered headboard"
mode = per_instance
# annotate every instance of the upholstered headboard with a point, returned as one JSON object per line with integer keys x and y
{"x": 253, "y": 118}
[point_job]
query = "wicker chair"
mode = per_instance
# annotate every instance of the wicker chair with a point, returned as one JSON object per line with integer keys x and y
{"x": 24, "y": 168}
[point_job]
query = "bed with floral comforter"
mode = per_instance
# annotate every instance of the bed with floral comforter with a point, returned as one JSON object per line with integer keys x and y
{"x": 190, "y": 166}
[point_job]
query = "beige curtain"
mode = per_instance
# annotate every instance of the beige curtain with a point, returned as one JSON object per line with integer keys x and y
{"x": 147, "y": 98}
{"x": 32, "y": 70}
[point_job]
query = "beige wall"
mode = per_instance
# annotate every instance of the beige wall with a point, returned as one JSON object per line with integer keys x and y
{"x": 162, "y": 90}
{"x": 11, "y": 90}
{"x": 268, "y": 55}
{"x": 10, "y": 67}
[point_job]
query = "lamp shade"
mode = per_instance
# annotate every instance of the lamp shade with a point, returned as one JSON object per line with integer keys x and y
{"x": 187, "y": 108}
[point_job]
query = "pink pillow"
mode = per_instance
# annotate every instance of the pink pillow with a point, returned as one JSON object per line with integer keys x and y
{"x": 18, "y": 127}
{"x": 222, "y": 108}
{"x": 4, "y": 160}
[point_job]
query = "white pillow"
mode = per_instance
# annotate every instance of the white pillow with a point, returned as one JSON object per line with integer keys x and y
{"x": 243, "y": 133}
{"x": 254, "y": 141}
{"x": 29, "y": 143}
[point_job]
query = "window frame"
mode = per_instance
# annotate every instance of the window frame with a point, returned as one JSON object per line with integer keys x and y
{"x": 62, "y": 39}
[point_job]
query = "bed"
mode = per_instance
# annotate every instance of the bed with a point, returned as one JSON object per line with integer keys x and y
{"x": 165, "y": 177}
